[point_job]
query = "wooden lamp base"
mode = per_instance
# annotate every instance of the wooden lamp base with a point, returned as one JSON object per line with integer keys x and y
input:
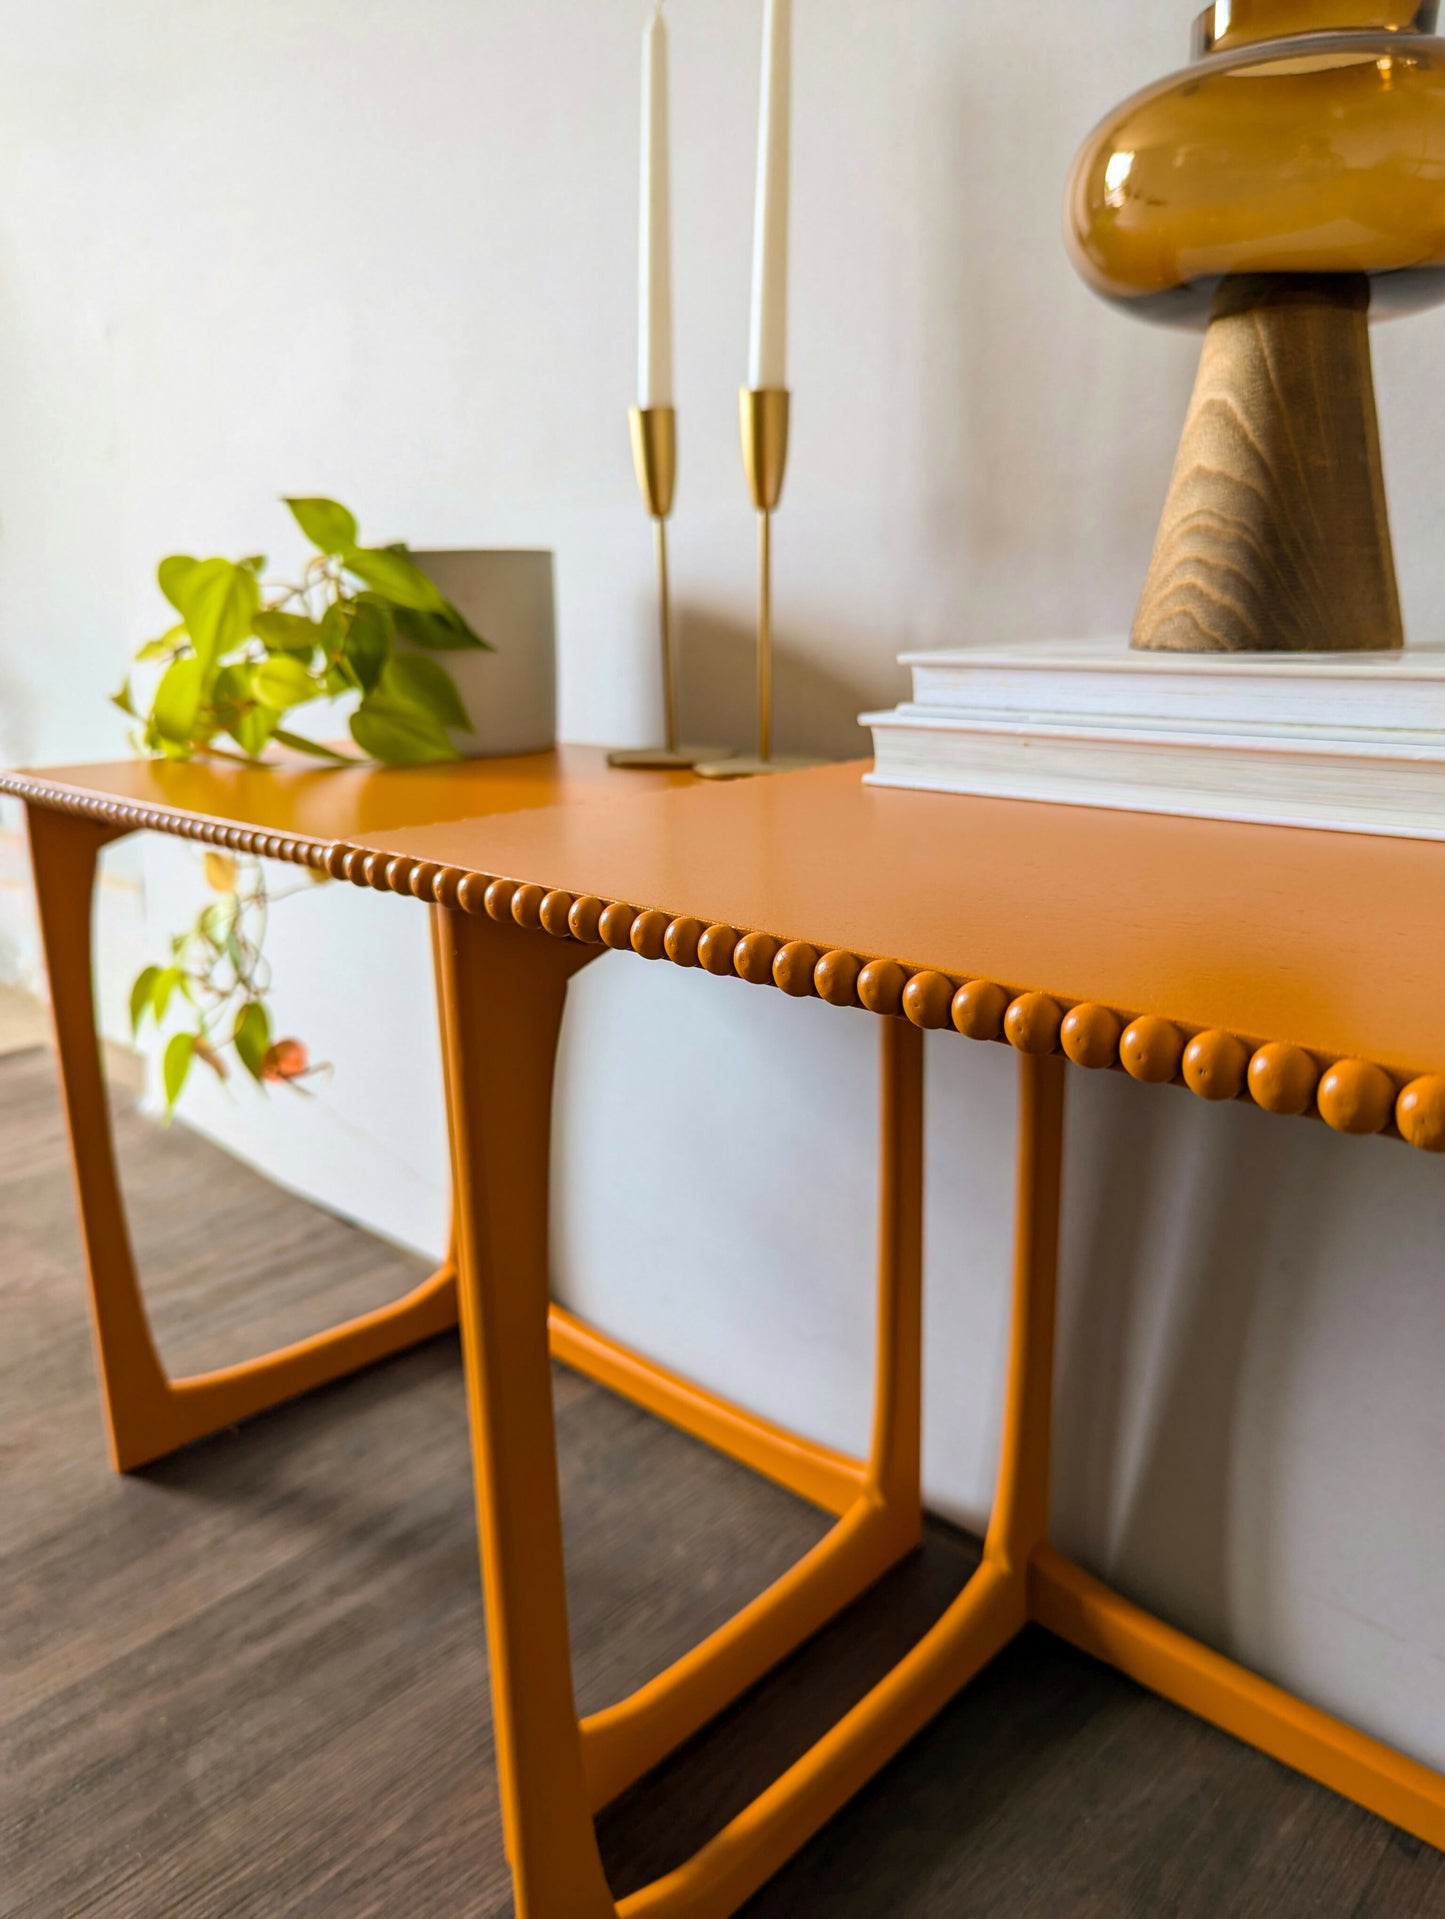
{"x": 1275, "y": 535}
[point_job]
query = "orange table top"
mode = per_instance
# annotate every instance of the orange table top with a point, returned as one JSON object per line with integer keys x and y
{"x": 1334, "y": 941}
{"x": 299, "y": 800}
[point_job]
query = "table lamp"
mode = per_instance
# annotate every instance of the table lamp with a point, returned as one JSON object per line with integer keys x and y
{"x": 1280, "y": 193}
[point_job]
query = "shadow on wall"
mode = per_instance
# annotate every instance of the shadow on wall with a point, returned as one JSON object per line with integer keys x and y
{"x": 1177, "y": 1485}
{"x": 815, "y": 710}
{"x": 1240, "y": 1294}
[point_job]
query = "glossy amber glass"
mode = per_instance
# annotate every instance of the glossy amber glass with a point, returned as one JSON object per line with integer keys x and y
{"x": 1237, "y": 23}
{"x": 1324, "y": 153}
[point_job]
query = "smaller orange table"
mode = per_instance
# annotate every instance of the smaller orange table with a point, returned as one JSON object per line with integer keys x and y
{"x": 1299, "y": 970}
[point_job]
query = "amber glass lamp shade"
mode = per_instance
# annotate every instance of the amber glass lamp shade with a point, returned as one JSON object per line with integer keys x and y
{"x": 1279, "y": 193}
{"x": 1321, "y": 152}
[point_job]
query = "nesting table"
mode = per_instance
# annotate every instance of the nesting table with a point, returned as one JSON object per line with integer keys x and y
{"x": 1296, "y": 970}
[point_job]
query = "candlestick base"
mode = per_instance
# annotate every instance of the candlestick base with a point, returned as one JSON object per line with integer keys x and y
{"x": 665, "y": 759}
{"x": 750, "y": 767}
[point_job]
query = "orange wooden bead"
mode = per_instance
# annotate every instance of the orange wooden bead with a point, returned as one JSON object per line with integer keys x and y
{"x": 553, "y": 914}
{"x": 753, "y": 958}
{"x": 680, "y": 941}
{"x": 354, "y": 866}
{"x": 584, "y": 918}
{"x": 1282, "y": 1079}
{"x": 336, "y": 858}
{"x": 1032, "y": 1023}
{"x": 1090, "y": 1035}
{"x": 793, "y": 968}
{"x": 527, "y": 905}
{"x": 447, "y": 886}
{"x": 1215, "y": 1065}
{"x": 928, "y": 999}
{"x": 398, "y": 875}
{"x": 1420, "y": 1113}
{"x": 472, "y": 893}
{"x": 376, "y": 865}
{"x": 497, "y": 898}
{"x": 978, "y": 1009}
{"x": 1356, "y": 1097}
{"x": 1150, "y": 1050}
{"x": 649, "y": 934}
{"x": 880, "y": 987}
{"x": 424, "y": 879}
{"x": 835, "y": 978}
{"x": 715, "y": 950}
{"x": 616, "y": 926}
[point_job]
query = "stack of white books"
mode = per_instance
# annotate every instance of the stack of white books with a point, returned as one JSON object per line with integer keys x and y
{"x": 1353, "y": 741}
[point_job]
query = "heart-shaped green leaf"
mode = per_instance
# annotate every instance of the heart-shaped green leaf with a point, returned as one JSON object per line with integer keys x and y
{"x": 252, "y": 1036}
{"x": 286, "y": 632}
{"x": 220, "y": 600}
{"x": 249, "y": 722}
{"x": 176, "y": 1066}
{"x": 177, "y": 702}
{"x": 164, "y": 984}
{"x": 326, "y": 524}
{"x": 399, "y": 735}
{"x": 366, "y": 641}
{"x": 142, "y": 996}
{"x": 281, "y": 681}
{"x": 396, "y": 576}
{"x": 417, "y": 681}
{"x": 439, "y": 632}
{"x": 252, "y": 729}
{"x": 172, "y": 575}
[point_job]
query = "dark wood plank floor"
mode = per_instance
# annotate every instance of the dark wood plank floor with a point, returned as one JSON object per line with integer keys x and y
{"x": 250, "y": 1683}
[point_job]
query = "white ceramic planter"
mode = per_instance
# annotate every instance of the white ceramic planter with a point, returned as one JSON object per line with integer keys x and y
{"x": 511, "y": 695}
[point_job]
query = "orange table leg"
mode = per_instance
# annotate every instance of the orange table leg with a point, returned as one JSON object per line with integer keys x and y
{"x": 503, "y": 993}
{"x": 147, "y": 1413}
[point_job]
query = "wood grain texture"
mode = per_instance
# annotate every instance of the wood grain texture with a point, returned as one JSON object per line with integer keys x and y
{"x": 250, "y": 1683}
{"x": 1275, "y": 535}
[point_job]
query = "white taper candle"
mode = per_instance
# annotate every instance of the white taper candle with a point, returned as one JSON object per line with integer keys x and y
{"x": 654, "y": 346}
{"x": 768, "y": 346}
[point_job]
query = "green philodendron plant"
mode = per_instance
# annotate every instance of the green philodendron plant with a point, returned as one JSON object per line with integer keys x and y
{"x": 243, "y": 655}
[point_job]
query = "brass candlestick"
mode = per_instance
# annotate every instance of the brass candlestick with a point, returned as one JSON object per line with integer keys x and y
{"x": 764, "y": 415}
{"x": 654, "y": 454}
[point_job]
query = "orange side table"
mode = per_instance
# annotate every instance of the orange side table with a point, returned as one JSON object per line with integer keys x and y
{"x": 1299, "y": 970}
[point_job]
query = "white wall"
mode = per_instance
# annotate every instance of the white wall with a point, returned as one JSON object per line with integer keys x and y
{"x": 389, "y": 253}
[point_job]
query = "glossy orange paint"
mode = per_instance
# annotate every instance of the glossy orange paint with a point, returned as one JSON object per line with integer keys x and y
{"x": 1326, "y": 941}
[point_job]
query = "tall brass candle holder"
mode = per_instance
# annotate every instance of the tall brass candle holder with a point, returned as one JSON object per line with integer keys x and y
{"x": 654, "y": 454}
{"x": 764, "y": 413}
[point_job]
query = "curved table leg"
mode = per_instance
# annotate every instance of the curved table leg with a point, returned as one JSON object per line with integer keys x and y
{"x": 503, "y": 992}
{"x": 147, "y": 1413}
